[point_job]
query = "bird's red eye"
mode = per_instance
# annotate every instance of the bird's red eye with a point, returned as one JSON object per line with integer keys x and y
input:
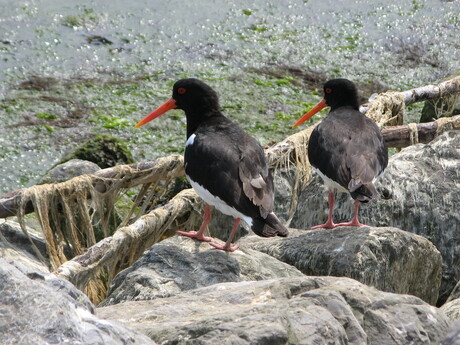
{"x": 181, "y": 90}
{"x": 328, "y": 90}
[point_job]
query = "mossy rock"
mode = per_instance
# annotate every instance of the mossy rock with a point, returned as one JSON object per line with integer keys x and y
{"x": 104, "y": 150}
{"x": 433, "y": 110}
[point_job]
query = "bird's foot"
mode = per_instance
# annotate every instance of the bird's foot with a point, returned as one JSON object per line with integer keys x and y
{"x": 328, "y": 225}
{"x": 196, "y": 235}
{"x": 352, "y": 223}
{"x": 227, "y": 248}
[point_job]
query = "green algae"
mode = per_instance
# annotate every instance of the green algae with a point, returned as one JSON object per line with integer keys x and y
{"x": 254, "y": 57}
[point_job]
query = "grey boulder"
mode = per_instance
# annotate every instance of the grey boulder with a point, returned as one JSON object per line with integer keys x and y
{"x": 70, "y": 169}
{"x": 303, "y": 310}
{"x": 29, "y": 251}
{"x": 453, "y": 337}
{"x": 41, "y": 309}
{"x": 452, "y": 309}
{"x": 180, "y": 263}
{"x": 387, "y": 258}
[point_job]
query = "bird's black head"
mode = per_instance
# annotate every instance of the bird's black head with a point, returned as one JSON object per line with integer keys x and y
{"x": 197, "y": 99}
{"x": 194, "y": 96}
{"x": 341, "y": 92}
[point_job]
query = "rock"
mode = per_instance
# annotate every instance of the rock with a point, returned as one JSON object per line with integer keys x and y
{"x": 453, "y": 337}
{"x": 15, "y": 245}
{"x": 419, "y": 192}
{"x": 98, "y": 40}
{"x": 387, "y": 258}
{"x": 435, "y": 109}
{"x": 455, "y": 293}
{"x": 452, "y": 309}
{"x": 180, "y": 263}
{"x": 284, "y": 181}
{"x": 104, "y": 150}
{"x": 302, "y": 310}
{"x": 66, "y": 171}
{"x": 42, "y": 309}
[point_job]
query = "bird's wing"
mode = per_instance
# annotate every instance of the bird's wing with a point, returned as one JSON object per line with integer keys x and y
{"x": 351, "y": 156}
{"x": 233, "y": 167}
{"x": 367, "y": 155}
{"x": 325, "y": 152}
{"x": 255, "y": 176}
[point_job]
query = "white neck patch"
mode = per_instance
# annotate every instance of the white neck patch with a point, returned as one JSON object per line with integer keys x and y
{"x": 190, "y": 140}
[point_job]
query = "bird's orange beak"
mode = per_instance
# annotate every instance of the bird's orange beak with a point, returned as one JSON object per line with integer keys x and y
{"x": 322, "y": 104}
{"x": 168, "y": 105}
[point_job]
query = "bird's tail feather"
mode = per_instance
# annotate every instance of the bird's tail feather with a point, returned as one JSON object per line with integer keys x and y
{"x": 364, "y": 193}
{"x": 269, "y": 226}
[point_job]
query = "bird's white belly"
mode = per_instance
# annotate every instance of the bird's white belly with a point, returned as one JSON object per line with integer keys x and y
{"x": 218, "y": 203}
{"x": 330, "y": 183}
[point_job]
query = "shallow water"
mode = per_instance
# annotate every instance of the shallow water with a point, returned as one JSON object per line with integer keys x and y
{"x": 114, "y": 63}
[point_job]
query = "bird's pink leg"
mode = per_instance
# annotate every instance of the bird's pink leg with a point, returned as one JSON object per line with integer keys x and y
{"x": 199, "y": 234}
{"x": 329, "y": 223}
{"x": 354, "y": 221}
{"x": 228, "y": 245}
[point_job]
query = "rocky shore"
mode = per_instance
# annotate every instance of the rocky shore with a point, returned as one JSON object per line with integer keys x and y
{"x": 370, "y": 285}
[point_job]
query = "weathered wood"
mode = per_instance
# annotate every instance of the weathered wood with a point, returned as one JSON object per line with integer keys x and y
{"x": 119, "y": 251}
{"x": 403, "y": 136}
{"x": 126, "y": 175}
{"x": 425, "y": 93}
{"x": 400, "y": 136}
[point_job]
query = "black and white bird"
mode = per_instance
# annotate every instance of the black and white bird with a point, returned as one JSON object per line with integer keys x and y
{"x": 346, "y": 149}
{"x": 225, "y": 165}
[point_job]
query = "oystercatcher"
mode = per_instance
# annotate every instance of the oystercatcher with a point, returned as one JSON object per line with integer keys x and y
{"x": 225, "y": 165}
{"x": 346, "y": 149}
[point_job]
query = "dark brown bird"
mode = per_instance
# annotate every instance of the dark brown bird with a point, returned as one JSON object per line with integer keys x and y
{"x": 346, "y": 149}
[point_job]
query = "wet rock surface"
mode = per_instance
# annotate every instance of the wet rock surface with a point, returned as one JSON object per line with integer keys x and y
{"x": 180, "y": 264}
{"x": 387, "y": 258}
{"x": 39, "y": 308}
{"x": 68, "y": 170}
{"x": 305, "y": 310}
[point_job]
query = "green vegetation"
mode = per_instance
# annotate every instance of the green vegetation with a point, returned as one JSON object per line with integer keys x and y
{"x": 46, "y": 116}
{"x": 86, "y": 17}
{"x": 110, "y": 122}
{"x": 257, "y": 59}
{"x": 258, "y": 28}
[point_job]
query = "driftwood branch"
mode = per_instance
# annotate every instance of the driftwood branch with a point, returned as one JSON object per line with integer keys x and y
{"x": 126, "y": 175}
{"x": 426, "y": 93}
{"x": 387, "y": 107}
{"x": 128, "y": 243}
{"x": 403, "y": 136}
